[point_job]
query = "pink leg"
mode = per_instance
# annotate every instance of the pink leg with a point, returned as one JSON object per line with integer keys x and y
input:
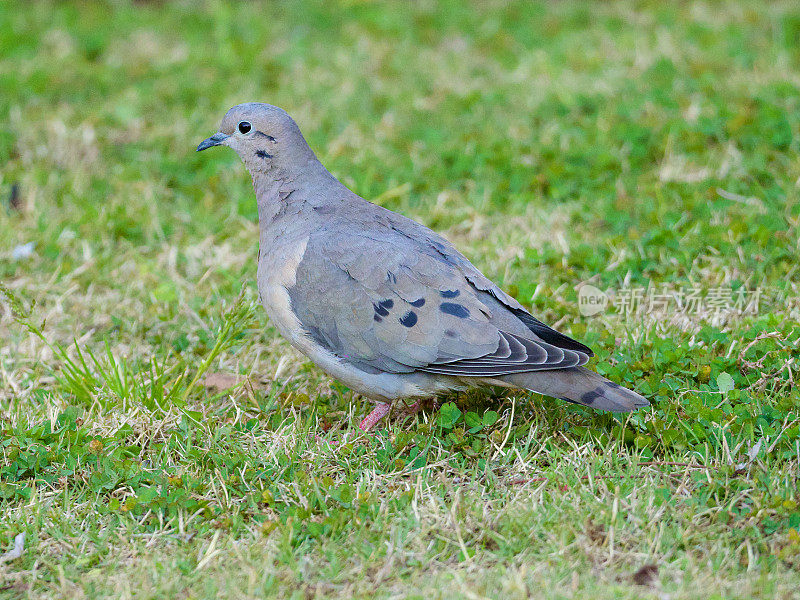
{"x": 381, "y": 410}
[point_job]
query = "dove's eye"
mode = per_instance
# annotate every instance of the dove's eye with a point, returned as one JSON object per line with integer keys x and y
{"x": 244, "y": 127}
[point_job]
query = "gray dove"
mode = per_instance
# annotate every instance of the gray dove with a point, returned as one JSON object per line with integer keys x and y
{"x": 381, "y": 303}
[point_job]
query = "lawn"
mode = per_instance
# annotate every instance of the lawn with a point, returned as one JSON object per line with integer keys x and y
{"x": 160, "y": 440}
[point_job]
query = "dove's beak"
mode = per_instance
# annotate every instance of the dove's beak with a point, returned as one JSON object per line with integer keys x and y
{"x": 214, "y": 140}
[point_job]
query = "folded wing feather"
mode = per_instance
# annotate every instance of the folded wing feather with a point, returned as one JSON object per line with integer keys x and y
{"x": 402, "y": 305}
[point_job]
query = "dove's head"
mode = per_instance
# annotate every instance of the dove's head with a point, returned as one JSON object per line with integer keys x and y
{"x": 265, "y": 137}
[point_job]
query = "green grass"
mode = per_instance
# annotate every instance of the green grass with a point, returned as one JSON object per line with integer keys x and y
{"x": 160, "y": 440}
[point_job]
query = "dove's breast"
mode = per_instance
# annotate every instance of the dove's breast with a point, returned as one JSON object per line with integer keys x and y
{"x": 277, "y": 271}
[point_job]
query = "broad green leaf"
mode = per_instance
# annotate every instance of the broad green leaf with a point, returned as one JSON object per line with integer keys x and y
{"x": 725, "y": 383}
{"x": 449, "y": 415}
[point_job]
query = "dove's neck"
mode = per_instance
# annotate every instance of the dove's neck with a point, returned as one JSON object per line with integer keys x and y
{"x": 282, "y": 192}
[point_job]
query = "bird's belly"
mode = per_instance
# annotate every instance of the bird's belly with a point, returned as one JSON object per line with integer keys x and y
{"x": 275, "y": 300}
{"x": 384, "y": 387}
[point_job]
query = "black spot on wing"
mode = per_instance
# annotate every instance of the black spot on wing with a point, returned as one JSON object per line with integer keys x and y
{"x": 263, "y": 154}
{"x": 388, "y": 303}
{"x": 380, "y": 310}
{"x": 450, "y": 333}
{"x": 409, "y": 319}
{"x": 418, "y": 303}
{"x": 377, "y": 318}
{"x": 449, "y": 293}
{"x": 457, "y": 310}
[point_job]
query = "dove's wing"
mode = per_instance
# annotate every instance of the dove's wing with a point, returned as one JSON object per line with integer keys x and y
{"x": 433, "y": 242}
{"x": 389, "y": 302}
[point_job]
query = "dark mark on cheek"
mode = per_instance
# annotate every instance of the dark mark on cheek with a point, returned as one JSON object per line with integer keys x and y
{"x": 409, "y": 319}
{"x": 457, "y": 310}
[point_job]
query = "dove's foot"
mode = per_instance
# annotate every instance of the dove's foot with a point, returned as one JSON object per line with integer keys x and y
{"x": 379, "y": 412}
{"x": 409, "y": 410}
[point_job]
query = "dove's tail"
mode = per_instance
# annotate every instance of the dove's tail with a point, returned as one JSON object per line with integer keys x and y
{"x": 578, "y": 385}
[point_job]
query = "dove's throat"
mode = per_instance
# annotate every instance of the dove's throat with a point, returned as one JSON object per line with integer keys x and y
{"x": 280, "y": 191}
{"x": 272, "y": 197}
{"x": 281, "y": 194}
